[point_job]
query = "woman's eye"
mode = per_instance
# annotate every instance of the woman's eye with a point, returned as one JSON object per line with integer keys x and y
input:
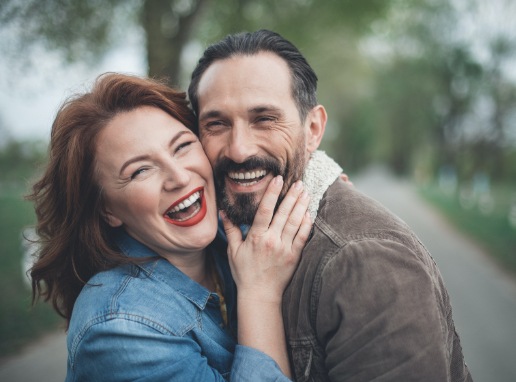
{"x": 138, "y": 172}
{"x": 183, "y": 145}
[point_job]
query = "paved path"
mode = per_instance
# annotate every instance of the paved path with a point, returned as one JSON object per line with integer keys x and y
{"x": 44, "y": 361}
{"x": 483, "y": 296}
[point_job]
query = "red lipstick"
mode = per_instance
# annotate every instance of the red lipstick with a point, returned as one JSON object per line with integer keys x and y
{"x": 196, "y": 218}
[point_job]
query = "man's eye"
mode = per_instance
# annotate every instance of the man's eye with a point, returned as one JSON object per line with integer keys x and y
{"x": 213, "y": 124}
{"x": 265, "y": 119}
{"x": 214, "y": 127}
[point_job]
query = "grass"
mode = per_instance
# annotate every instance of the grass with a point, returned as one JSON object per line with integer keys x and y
{"x": 20, "y": 323}
{"x": 487, "y": 222}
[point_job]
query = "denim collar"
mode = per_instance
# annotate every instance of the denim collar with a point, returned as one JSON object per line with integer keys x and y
{"x": 159, "y": 268}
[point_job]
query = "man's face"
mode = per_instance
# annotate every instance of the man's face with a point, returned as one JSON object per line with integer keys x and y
{"x": 250, "y": 129}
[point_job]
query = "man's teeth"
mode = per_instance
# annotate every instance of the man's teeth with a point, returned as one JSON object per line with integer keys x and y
{"x": 187, "y": 202}
{"x": 247, "y": 175}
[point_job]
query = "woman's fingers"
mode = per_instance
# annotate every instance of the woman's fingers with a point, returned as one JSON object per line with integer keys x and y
{"x": 303, "y": 233}
{"x": 285, "y": 208}
{"x": 295, "y": 218}
{"x": 345, "y": 178}
{"x": 289, "y": 215}
{"x": 265, "y": 211}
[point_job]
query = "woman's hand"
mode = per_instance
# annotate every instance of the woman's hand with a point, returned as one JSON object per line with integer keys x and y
{"x": 345, "y": 178}
{"x": 263, "y": 264}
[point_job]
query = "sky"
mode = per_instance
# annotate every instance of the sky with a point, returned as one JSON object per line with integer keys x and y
{"x": 28, "y": 104}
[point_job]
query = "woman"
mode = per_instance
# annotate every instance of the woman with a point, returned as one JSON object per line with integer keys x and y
{"x": 127, "y": 218}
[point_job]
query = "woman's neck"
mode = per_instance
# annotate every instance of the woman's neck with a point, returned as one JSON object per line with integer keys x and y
{"x": 195, "y": 266}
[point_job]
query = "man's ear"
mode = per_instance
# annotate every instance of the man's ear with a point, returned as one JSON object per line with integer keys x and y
{"x": 316, "y": 121}
{"x": 111, "y": 219}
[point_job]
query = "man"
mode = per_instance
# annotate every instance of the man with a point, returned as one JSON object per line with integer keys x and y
{"x": 367, "y": 301}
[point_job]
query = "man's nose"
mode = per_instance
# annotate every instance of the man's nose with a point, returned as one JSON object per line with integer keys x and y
{"x": 241, "y": 144}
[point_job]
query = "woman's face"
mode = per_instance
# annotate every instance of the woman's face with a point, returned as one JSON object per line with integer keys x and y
{"x": 157, "y": 182}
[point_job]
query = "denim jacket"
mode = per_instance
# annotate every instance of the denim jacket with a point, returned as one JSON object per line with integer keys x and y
{"x": 367, "y": 302}
{"x": 153, "y": 323}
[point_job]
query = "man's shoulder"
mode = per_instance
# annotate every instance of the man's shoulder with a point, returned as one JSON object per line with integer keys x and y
{"x": 345, "y": 214}
{"x": 354, "y": 229}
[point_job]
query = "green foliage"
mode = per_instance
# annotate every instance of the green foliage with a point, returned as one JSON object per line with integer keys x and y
{"x": 431, "y": 100}
{"x": 19, "y": 160}
{"x": 80, "y": 29}
{"x": 299, "y": 20}
{"x": 399, "y": 78}
{"x": 20, "y": 324}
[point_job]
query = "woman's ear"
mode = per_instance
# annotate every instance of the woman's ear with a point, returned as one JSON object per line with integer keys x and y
{"x": 111, "y": 219}
{"x": 316, "y": 120}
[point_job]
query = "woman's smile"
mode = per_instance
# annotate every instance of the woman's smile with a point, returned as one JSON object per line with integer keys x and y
{"x": 187, "y": 211}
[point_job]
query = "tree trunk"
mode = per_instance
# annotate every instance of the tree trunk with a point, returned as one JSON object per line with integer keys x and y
{"x": 167, "y": 32}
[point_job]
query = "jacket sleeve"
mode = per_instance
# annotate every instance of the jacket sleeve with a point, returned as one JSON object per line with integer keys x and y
{"x": 251, "y": 365}
{"x": 380, "y": 317}
{"x": 127, "y": 350}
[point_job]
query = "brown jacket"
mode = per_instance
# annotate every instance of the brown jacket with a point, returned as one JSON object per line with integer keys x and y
{"x": 367, "y": 302}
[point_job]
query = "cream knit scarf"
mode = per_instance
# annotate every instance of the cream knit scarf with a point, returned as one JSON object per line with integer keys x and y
{"x": 320, "y": 173}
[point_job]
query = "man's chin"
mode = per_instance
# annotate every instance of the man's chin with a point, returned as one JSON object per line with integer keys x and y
{"x": 240, "y": 208}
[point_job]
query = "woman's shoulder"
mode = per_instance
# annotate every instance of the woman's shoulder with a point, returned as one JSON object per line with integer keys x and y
{"x": 128, "y": 293}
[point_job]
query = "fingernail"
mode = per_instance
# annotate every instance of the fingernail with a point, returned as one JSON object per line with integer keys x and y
{"x": 298, "y": 185}
{"x": 278, "y": 180}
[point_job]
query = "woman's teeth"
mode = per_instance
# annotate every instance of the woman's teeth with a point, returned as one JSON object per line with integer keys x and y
{"x": 187, "y": 202}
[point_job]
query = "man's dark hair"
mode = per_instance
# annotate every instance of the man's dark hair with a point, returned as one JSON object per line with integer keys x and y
{"x": 303, "y": 77}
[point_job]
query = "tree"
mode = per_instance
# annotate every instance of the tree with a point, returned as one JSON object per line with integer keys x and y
{"x": 85, "y": 30}
{"x": 432, "y": 95}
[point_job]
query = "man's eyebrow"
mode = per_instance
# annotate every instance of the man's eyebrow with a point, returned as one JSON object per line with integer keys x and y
{"x": 143, "y": 157}
{"x": 265, "y": 108}
{"x": 210, "y": 114}
{"x": 253, "y": 110}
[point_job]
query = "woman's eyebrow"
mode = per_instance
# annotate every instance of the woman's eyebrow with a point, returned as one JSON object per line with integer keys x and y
{"x": 143, "y": 157}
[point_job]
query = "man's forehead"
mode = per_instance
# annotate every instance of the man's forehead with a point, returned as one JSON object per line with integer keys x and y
{"x": 253, "y": 81}
{"x": 245, "y": 69}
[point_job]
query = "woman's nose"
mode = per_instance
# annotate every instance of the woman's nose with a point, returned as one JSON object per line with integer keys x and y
{"x": 176, "y": 176}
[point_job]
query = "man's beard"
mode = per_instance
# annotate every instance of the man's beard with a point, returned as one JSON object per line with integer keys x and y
{"x": 241, "y": 208}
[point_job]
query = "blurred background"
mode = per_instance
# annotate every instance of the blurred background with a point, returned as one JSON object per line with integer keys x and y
{"x": 421, "y": 96}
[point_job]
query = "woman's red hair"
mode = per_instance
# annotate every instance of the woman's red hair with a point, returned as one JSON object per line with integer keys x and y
{"x": 74, "y": 238}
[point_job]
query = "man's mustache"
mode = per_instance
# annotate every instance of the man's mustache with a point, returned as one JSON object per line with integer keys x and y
{"x": 226, "y": 165}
